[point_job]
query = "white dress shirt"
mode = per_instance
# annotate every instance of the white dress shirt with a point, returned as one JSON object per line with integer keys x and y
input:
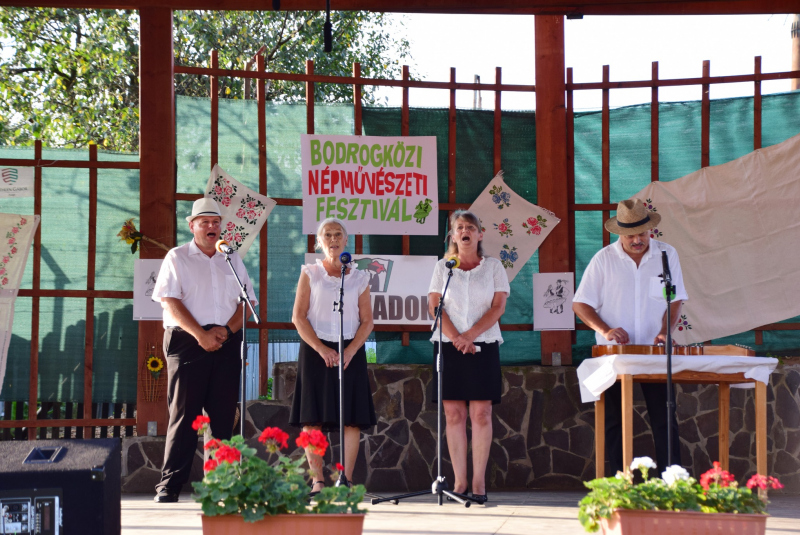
{"x": 470, "y": 296}
{"x": 205, "y": 285}
{"x": 630, "y": 297}
{"x": 324, "y": 292}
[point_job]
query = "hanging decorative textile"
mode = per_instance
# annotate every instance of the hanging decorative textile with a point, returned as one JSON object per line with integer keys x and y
{"x": 14, "y": 247}
{"x": 736, "y": 227}
{"x": 244, "y": 211}
{"x": 513, "y": 228}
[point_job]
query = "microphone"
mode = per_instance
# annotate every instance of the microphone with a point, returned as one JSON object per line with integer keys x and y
{"x": 345, "y": 258}
{"x": 223, "y": 247}
{"x": 452, "y": 262}
{"x": 665, "y": 266}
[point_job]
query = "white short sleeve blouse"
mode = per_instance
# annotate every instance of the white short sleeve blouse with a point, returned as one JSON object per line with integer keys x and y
{"x": 324, "y": 292}
{"x": 470, "y": 295}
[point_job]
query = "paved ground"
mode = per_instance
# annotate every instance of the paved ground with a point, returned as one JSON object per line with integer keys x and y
{"x": 508, "y": 513}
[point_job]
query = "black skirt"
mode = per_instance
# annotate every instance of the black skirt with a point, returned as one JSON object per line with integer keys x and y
{"x": 316, "y": 392}
{"x": 467, "y": 376}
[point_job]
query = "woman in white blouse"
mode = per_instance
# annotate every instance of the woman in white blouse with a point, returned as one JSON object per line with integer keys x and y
{"x": 475, "y": 301}
{"x": 316, "y": 395}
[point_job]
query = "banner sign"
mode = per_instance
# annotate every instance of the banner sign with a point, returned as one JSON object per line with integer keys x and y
{"x": 145, "y": 272}
{"x": 16, "y": 182}
{"x": 398, "y": 286}
{"x": 377, "y": 185}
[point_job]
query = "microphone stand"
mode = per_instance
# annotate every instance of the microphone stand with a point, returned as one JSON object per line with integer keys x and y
{"x": 340, "y": 306}
{"x": 667, "y": 278}
{"x": 243, "y": 298}
{"x": 439, "y": 486}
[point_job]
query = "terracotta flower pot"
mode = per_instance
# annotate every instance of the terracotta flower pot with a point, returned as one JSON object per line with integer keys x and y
{"x": 627, "y": 521}
{"x": 342, "y": 524}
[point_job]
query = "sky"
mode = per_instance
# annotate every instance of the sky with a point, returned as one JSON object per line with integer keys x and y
{"x": 476, "y": 44}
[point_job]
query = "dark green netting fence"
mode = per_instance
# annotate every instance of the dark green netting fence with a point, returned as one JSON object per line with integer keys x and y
{"x": 65, "y": 218}
{"x": 62, "y": 321}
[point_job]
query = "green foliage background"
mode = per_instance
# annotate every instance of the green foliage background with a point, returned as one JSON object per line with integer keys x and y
{"x": 70, "y": 77}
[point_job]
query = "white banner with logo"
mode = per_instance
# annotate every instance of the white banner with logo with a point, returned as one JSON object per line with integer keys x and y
{"x": 16, "y": 182}
{"x": 377, "y": 185}
{"x": 398, "y": 286}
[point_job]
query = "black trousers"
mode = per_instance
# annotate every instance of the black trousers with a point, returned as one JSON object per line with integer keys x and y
{"x": 655, "y": 396}
{"x": 198, "y": 381}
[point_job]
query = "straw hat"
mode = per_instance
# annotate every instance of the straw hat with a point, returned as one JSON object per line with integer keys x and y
{"x": 204, "y": 206}
{"x": 632, "y": 218}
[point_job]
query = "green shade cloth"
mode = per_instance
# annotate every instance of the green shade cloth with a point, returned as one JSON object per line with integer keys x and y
{"x": 65, "y": 218}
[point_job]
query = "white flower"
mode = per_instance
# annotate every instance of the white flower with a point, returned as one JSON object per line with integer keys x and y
{"x": 642, "y": 462}
{"x": 674, "y": 473}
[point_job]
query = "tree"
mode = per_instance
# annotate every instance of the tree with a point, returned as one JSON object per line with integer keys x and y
{"x": 70, "y": 77}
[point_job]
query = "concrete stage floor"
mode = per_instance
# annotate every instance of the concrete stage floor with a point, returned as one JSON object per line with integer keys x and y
{"x": 508, "y": 513}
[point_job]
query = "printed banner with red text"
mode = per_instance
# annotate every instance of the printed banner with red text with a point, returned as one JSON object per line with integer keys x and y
{"x": 376, "y": 185}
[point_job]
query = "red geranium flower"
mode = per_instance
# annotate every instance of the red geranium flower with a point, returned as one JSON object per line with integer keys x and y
{"x": 717, "y": 475}
{"x": 315, "y": 440}
{"x": 228, "y": 454}
{"x": 339, "y": 467}
{"x": 274, "y": 439}
{"x": 200, "y": 424}
{"x": 212, "y": 444}
{"x": 763, "y": 482}
{"x": 210, "y": 465}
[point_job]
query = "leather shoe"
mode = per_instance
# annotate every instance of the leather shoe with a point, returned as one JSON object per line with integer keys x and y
{"x": 166, "y": 496}
{"x": 480, "y": 498}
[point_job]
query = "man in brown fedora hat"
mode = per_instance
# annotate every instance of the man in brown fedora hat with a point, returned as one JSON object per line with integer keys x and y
{"x": 621, "y": 297}
{"x": 202, "y": 335}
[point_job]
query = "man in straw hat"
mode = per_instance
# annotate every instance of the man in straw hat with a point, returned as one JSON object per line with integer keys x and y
{"x": 202, "y": 322}
{"x": 621, "y": 297}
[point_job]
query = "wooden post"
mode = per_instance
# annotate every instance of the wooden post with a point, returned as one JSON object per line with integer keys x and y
{"x": 156, "y": 174}
{"x": 551, "y": 163}
{"x": 627, "y": 421}
{"x": 88, "y": 344}
{"x": 600, "y": 436}
{"x": 724, "y": 402}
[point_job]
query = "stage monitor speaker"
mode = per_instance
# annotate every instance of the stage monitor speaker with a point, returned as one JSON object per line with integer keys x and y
{"x": 54, "y": 487}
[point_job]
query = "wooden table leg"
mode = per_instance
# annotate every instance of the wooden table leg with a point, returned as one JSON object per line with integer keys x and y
{"x": 600, "y": 436}
{"x": 724, "y": 423}
{"x": 761, "y": 428}
{"x": 627, "y": 421}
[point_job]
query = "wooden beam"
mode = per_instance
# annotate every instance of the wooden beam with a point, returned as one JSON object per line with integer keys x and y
{"x": 531, "y": 7}
{"x": 156, "y": 176}
{"x": 551, "y": 163}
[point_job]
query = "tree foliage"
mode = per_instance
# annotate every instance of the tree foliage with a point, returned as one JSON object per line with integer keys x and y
{"x": 70, "y": 77}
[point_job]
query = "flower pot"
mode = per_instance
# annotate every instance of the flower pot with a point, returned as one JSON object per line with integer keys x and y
{"x": 628, "y": 521}
{"x": 336, "y": 524}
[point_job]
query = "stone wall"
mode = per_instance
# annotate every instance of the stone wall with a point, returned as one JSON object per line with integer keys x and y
{"x": 543, "y": 434}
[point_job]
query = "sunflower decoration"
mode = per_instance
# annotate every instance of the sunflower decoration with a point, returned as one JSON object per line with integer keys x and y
{"x": 130, "y": 235}
{"x": 154, "y": 366}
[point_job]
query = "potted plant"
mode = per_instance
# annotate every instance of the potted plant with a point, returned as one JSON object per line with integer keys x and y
{"x": 715, "y": 504}
{"x": 243, "y": 494}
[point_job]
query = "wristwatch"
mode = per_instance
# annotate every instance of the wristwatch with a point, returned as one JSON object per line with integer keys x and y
{"x": 230, "y": 332}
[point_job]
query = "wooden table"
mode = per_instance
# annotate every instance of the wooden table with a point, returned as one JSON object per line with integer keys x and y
{"x": 724, "y": 380}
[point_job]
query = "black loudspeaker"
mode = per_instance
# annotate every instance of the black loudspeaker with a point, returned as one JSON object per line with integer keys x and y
{"x": 53, "y": 487}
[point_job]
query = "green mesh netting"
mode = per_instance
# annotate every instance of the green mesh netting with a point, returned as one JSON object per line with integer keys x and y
{"x": 62, "y": 321}
{"x": 65, "y": 218}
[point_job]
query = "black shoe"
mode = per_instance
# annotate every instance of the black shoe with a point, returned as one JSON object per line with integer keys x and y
{"x": 166, "y": 496}
{"x": 315, "y": 492}
{"x": 480, "y": 499}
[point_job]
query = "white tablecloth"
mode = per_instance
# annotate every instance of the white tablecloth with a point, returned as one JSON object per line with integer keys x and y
{"x": 595, "y": 375}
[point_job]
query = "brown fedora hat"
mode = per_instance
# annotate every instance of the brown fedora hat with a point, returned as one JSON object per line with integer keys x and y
{"x": 632, "y": 218}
